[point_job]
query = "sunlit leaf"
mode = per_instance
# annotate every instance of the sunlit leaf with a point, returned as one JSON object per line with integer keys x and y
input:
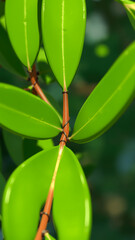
{"x": 108, "y": 100}
{"x": 63, "y": 30}
{"x": 8, "y": 58}
{"x": 26, "y": 114}
{"x": 71, "y": 197}
{"x": 22, "y": 26}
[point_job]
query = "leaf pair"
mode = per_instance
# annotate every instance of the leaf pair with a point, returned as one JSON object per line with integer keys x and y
{"x": 108, "y": 100}
{"x": 27, "y": 115}
{"x": 63, "y": 30}
{"x": 27, "y": 190}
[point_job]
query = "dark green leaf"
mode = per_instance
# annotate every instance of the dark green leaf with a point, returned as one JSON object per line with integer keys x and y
{"x": 2, "y": 185}
{"x": 108, "y": 100}
{"x": 0, "y": 158}
{"x": 71, "y": 206}
{"x": 63, "y": 30}
{"x": 20, "y": 148}
{"x": 14, "y": 145}
{"x": 55, "y": 104}
{"x": 22, "y": 26}
{"x": 26, "y": 114}
{"x": 130, "y": 9}
{"x": 43, "y": 67}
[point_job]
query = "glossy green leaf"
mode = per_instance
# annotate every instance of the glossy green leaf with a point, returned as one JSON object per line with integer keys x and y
{"x": 30, "y": 184}
{"x": 8, "y": 58}
{"x": 26, "y": 114}
{"x": 2, "y": 185}
{"x": 130, "y": 9}
{"x": 20, "y": 148}
{"x": 71, "y": 199}
{"x": 23, "y": 30}
{"x": 63, "y": 30}
{"x": 108, "y": 100}
{"x": 43, "y": 67}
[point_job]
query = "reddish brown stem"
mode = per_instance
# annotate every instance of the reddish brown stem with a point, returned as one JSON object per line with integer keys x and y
{"x": 64, "y": 136}
{"x": 38, "y": 90}
{"x": 44, "y": 219}
{"x": 63, "y": 141}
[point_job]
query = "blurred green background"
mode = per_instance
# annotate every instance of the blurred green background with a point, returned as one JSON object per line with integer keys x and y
{"x": 109, "y": 161}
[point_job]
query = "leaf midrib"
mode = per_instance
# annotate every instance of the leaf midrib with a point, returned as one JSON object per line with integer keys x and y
{"x": 28, "y": 116}
{"x": 109, "y": 99}
{"x": 26, "y": 35}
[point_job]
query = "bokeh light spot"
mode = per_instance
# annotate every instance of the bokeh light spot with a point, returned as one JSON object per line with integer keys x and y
{"x": 102, "y": 50}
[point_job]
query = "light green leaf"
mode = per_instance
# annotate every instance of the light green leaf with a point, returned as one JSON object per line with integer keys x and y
{"x": 8, "y": 58}
{"x": 45, "y": 144}
{"x": 26, "y": 114}
{"x": 108, "y": 100}
{"x": 2, "y": 185}
{"x": 130, "y": 9}
{"x": 23, "y": 30}
{"x": 30, "y": 184}
{"x": 20, "y": 148}
{"x": 71, "y": 199}
{"x": 43, "y": 67}
{"x": 63, "y": 30}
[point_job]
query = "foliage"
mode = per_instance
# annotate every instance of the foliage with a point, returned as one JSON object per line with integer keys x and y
{"x": 32, "y": 118}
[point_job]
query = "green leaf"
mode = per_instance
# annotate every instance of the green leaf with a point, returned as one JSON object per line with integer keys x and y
{"x": 20, "y": 148}
{"x": 130, "y": 9}
{"x": 0, "y": 158}
{"x": 2, "y": 185}
{"x": 23, "y": 30}
{"x": 71, "y": 199}
{"x": 30, "y": 184}
{"x": 29, "y": 115}
{"x": 8, "y": 58}
{"x": 43, "y": 67}
{"x": 108, "y": 100}
{"x": 45, "y": 144}
{"x": 63, "y": 30}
